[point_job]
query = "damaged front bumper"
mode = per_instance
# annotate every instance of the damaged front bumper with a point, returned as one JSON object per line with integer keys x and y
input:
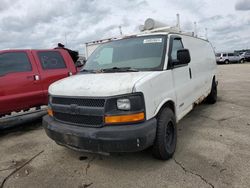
{"x": 107, "y": 139}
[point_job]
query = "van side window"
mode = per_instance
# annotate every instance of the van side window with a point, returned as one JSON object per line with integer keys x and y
{"x": 177, "y": 45}
{"x": 224, "y": 55}
{"x": 11, "y": 62}
{"x": 51, "y": 60}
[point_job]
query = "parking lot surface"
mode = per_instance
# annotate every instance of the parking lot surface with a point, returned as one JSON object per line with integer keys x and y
{"x": 213, "y": 150}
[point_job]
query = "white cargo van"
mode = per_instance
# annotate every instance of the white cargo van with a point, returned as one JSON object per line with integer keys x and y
{"x": 131, "y": 93}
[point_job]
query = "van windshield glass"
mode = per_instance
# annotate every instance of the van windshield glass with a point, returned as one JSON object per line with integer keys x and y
{"x": 137, "y": 53}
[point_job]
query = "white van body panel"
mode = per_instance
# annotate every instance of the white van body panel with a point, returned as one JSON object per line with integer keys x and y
{"x": 97, "y": 85}
{"x": 203, "y": 64}
{"x": 156, "y": 88}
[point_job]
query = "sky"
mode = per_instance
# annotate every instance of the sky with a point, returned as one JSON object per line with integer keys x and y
{"x": 43, "y": 24}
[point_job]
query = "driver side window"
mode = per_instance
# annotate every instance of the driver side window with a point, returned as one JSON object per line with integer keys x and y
{"x": 177, "y": 45}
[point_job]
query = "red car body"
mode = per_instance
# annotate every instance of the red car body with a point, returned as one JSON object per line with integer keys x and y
{"x": 25, "y": 76}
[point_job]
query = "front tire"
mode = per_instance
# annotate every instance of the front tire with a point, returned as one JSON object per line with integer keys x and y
{"x": 166, "y": 135}
{"x": 226, "y": 62}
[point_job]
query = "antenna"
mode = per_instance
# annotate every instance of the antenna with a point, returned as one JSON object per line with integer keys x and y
{"x": 120, "y": 29}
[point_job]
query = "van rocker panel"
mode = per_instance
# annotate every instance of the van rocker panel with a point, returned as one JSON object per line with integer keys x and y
{"x": 108, "y": 139}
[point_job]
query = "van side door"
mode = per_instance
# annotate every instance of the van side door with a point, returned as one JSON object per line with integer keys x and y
{"x": 53, "y": 66}
{"x": 182, "y": 76}
{"x": 20, "y": 87}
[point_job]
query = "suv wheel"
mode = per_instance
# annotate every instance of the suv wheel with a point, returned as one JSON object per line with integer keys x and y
{"x": 166, "y": 135}
{"x": 226, "y": 62}
{"x": 212, "y": 97}
{"x": 242, "y": 61}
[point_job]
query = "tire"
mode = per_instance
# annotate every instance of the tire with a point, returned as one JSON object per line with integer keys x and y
{"x": 242, "y": 61}
{"x": 226, "y": 62}
{"x": 212, "y": 97}
{"x": 166, "y": 135}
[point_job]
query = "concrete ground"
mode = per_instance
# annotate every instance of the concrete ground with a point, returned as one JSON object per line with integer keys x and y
{"x": 213, "y": 150}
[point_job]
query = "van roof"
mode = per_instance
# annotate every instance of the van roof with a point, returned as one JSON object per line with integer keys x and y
{"x": 144, "y": 33}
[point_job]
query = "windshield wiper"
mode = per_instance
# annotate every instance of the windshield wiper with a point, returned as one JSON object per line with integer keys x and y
{"x": 119, "y": 69}
{"x": 85, "y": 70}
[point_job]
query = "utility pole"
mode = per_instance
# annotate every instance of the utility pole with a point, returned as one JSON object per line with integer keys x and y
{"x": 206, "y": 33}
{"x": 195, "y": 29}
{"x": 66, "y": 42}
{"x": 120, "y": 29}
{"x": 178, "y": 22}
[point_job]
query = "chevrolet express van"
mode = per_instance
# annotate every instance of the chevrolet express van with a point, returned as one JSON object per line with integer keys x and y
{"x": 132, "y": 92}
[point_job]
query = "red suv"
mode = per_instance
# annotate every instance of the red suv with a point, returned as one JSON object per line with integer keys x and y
{"x": 25, "y": 76}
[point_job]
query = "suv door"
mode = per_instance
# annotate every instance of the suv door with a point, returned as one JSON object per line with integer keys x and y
{"x": 52, "y": 67}
{"x": 20, "y": 87}
{"x": 182, "y": 75}
{"x": 231, "y": 57}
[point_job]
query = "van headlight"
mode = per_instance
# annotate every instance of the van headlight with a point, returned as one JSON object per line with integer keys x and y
{"x": 123, "y": 104}
{"x": 123, "y": 109}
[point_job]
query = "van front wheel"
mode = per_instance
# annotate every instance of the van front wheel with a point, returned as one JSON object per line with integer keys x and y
{"x": 166, "y": 135}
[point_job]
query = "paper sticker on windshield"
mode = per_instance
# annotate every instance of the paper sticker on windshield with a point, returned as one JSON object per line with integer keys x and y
{"x": 153, "y": 40}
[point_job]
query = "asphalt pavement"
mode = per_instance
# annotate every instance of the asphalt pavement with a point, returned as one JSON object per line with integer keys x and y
{"x": 213, "y": 150}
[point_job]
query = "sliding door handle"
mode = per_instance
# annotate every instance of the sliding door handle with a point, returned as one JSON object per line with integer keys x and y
{"x": 190, "y": 73}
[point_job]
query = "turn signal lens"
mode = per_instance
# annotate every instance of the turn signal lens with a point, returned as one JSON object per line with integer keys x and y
{"x": 125, "y": 118}
{"x": 50, "y": 112}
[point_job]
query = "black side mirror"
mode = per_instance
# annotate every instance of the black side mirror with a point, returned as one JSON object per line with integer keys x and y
{"x": 183, "y": 56}
{"x": 80, "y": 62}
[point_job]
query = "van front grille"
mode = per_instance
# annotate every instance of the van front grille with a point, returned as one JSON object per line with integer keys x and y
{"x": 82, "y": 112}
{"x": 79, "y": 101}
{"x": 79, "y": 120}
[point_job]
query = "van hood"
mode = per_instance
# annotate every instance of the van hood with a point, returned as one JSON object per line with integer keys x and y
{"x": 97, "y": 85}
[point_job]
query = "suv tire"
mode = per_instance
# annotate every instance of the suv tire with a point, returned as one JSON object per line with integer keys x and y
{"x": 226, "y": 62}
{"x": 166, "y": 135}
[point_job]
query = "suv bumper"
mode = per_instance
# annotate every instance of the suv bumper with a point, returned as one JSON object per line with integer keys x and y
{"x": 114, "y": 138}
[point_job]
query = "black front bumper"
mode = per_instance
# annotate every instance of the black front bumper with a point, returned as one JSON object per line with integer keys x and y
{"x": 115, "y": 138}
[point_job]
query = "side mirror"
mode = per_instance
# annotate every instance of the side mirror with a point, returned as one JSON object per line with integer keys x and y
{"x": 80, "y": 62}
{"x": 183, "y": 56}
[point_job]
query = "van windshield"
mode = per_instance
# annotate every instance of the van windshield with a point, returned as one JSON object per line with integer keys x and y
{"x": 137, "y": 53}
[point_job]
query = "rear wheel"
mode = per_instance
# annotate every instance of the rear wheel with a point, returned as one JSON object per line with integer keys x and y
{"x": 166, "y": 135}
{"x": 212, "y": 97}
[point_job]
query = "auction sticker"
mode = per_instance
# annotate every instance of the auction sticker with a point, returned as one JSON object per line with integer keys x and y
{"x": 153, "y": 40}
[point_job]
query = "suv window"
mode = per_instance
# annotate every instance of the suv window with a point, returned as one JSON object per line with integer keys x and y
{"x": 51, "y": 60}
{"x": 230, "y": 54}
{"x": 224, "y": 55}
{"x": 177, "y": 45}
{"x": 11, "y": 62}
